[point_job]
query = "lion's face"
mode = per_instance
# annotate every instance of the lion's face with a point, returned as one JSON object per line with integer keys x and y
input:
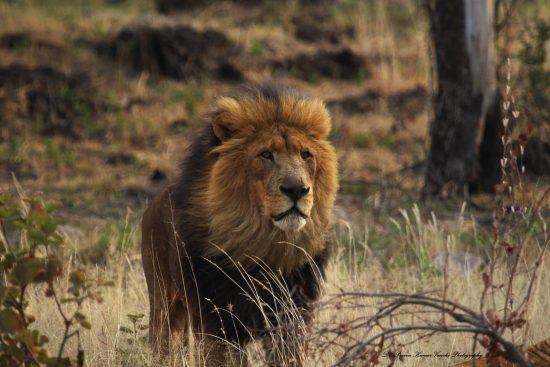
{"x": 274, "y": 176}
{"x": 283, "y": 164}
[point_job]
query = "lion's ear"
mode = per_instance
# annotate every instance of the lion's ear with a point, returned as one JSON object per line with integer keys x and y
{"x": 224, "y": 121}
{"x": 222, "y": 132}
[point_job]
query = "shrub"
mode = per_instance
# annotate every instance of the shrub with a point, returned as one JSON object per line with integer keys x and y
{"x": 31, "y": 255}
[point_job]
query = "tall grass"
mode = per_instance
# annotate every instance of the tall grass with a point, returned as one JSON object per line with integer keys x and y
{"x": 109, "y": 344}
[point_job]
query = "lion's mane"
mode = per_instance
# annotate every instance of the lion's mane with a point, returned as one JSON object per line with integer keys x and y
{"x": 219, "y": 242}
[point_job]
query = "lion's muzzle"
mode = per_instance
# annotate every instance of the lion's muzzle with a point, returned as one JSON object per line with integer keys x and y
{"x": 294, "y": 218}
{"x": 295, "y": 192}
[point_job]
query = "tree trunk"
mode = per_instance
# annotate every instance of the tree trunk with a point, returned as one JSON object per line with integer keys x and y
{"x": 465, "y": 134}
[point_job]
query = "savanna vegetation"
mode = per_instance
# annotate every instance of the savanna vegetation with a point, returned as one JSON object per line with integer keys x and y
{"x": 100, "y": 98}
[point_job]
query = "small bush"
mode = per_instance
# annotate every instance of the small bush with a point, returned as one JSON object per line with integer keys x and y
{"x": 31, "y": 255}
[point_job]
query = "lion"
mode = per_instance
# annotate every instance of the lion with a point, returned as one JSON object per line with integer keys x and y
{"x": 236, "y": 248}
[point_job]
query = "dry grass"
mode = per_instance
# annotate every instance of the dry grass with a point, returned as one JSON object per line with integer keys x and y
{"x": 360, "y": 271}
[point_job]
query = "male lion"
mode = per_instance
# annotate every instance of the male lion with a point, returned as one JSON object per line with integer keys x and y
{"x": 236, "y": 248}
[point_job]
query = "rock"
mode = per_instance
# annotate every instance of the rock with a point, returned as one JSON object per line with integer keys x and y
{"x": 457, "y": 262}
{"x": 342, "y": 64}
{"x": 115, "y": 159}
{"x": 169, "y": 6}
{"x": 311, "y": 32}
{"x": 157, "y": 176}
{"x": 11, "y": 41}
{"x": 17, "y": 40}
{"x": 178, "y": 126}
{"x": 163, "y": 47}
{"x": 363, "y": 103}
{"x": 46, "y": 100}
{"x": 319, "y": 30}
{"x": 227, "y": 71}
{"x": 409, "y": 102}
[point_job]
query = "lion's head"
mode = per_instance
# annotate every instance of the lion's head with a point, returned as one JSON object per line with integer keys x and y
{"x": 274, "y": 177}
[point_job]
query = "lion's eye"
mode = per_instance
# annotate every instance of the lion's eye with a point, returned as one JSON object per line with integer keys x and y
{"x": 267, "y": 155}
{"x": 305, "y": 155}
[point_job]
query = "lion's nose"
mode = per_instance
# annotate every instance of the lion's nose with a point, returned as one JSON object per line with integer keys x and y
{"x": 295, "y": 193}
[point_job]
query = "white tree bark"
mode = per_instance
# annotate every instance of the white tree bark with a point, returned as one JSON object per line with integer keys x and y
{"x": 481, "y": 52}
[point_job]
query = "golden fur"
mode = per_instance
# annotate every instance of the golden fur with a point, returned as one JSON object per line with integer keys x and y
{"x": 238, "y": 229}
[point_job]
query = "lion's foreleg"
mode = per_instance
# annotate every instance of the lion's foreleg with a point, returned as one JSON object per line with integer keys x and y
{"x": 167, "y": 316}
{"x": 159, "y": 318}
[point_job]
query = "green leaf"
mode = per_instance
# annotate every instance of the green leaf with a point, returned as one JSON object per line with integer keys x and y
{"x": 7, "y": 261}
{"x": 26, "y": 337}
{"x": 11, "y": 293}
{"x": 43, "y": 356}
{"x": 7, "y": 212}
{"x": 77, "y": 277}
{"x": 38, "y": 215}
{"x": 55, "y": 239}
{"x": 85, "y": 324}
{"x": 9, "y": 321}
{"x": 26, "y": 270}
{"x": 135, "y": 317}
{"x": 53, "y": 205}
{"x": 54, "y": 268}
{"x": 37, "y": 235}
{"x": 19, "y": 224}
{"x": 15, "y": 352}
{"x": 125, "y": 329}
{"x": 50, "y": 225}
{"x": 69, "y": 299}
{"x": 82, "y": 320}
{"x": 107, "y": 283}
{"x": 39, "y": 339}
{"x": 58, "y": 362}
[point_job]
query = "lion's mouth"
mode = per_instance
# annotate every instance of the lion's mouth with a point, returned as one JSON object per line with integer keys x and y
{"x": 293, "y": 210}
